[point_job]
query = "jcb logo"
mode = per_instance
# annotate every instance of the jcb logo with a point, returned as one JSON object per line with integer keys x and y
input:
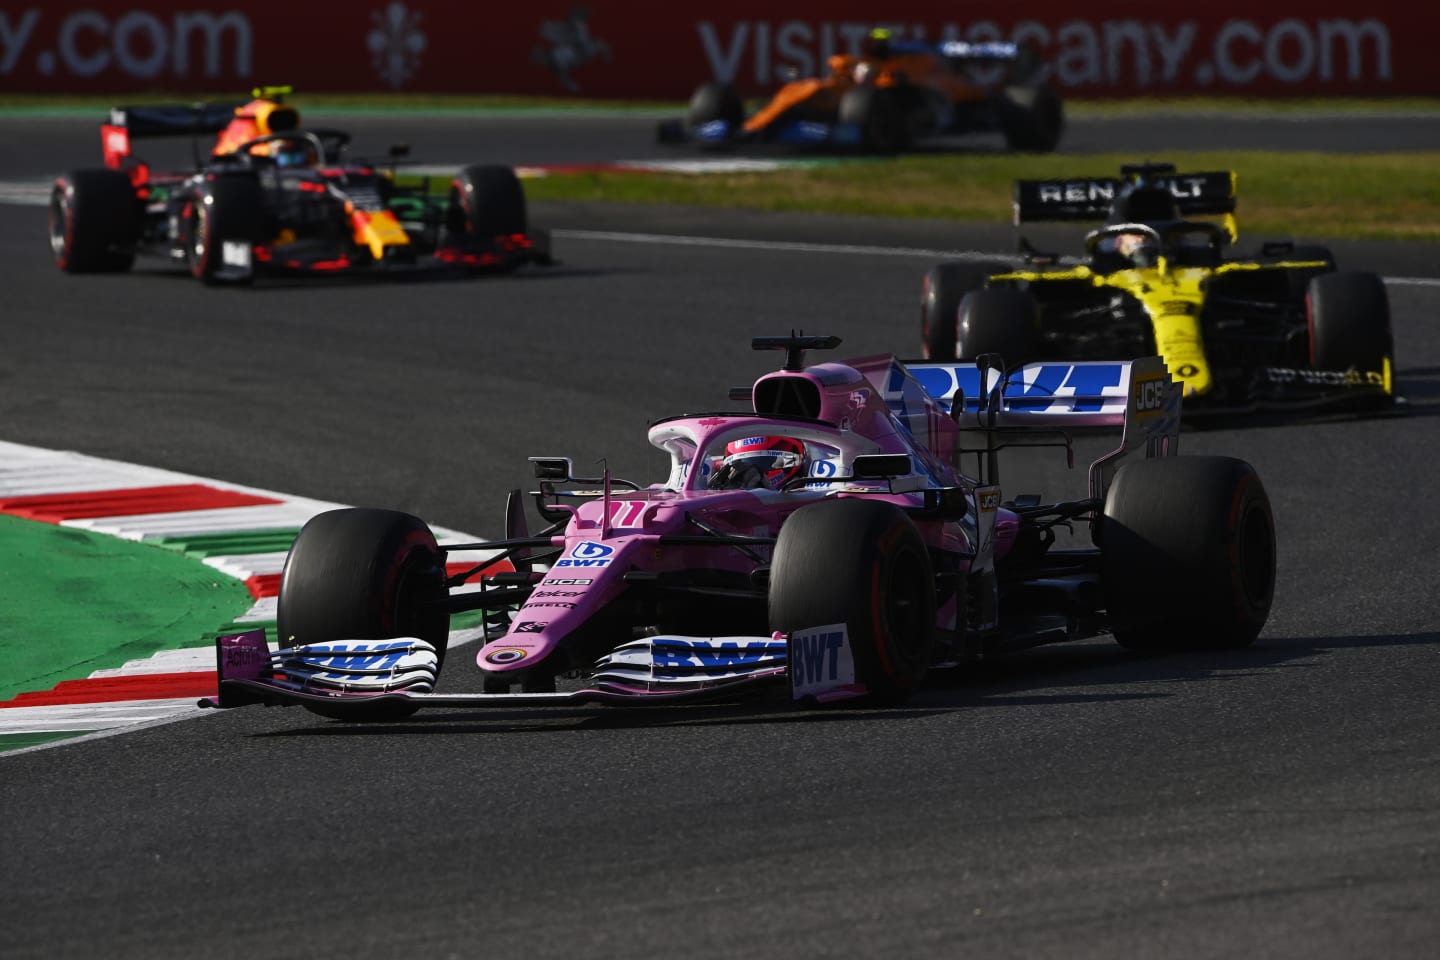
{"x": 1149, "y": 396}
{"x": 989, "y": 500}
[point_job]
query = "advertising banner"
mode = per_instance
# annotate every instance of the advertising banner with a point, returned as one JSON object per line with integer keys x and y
{"x": 663, "y": 50}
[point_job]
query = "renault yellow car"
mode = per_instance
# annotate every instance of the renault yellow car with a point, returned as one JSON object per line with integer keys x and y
{"x": 1280, "y": 327}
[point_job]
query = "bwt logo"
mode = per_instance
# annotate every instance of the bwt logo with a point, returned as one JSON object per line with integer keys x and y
{"x": 1149, "y": 395}
{"x": 359, "y": 661}
{"x": 587, "y": 553}
{"x": 815, "y": 657}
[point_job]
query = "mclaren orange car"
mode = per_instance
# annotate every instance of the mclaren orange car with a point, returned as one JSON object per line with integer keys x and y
{"x": 895, "y": 94}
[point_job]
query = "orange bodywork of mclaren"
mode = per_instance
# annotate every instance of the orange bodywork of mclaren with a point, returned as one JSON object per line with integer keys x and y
{"x": 928, "y": 71}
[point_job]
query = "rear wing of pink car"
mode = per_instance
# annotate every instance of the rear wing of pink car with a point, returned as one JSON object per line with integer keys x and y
{"x": 1137, "y": 397}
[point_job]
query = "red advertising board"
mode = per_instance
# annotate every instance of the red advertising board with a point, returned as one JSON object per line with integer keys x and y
{"x": 662, "y": 50}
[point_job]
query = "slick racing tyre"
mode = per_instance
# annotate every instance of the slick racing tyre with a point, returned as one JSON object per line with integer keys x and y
{"x": 715, "y": 101}
{"x": 1348, "y": 315}
{"x": 94, "y": 221}
{"x": 360, "y": 574}
{"x": 999, "y": 320}
{"x": 1187, "y": 550}
{"x": 861, "y": 563}
{"x": 485, "y": 202}
{"x": 1032, "y": 118}
{"x": 945, "y": 285}
{"x": 230, "y": 210}
{"x": 878, "y": 113}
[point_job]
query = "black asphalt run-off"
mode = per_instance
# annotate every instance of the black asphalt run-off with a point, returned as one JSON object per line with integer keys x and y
{"x": 1073, "y": 802}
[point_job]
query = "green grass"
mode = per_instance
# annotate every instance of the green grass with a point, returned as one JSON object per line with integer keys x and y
{"x": 1376, "y": 196}
{"x": 1369, "y": 196}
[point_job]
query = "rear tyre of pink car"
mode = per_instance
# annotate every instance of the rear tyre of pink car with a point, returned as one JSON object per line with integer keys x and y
{"x": 360, "y": 574}
{"x": 1187, "y": 554}
{"x": 862, "y": 563}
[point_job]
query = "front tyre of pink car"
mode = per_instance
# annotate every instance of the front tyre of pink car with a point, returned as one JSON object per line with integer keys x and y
{"x": 363, "y": 574}
{"x": 861, "y": 563}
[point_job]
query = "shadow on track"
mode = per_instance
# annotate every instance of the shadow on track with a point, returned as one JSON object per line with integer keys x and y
{"x": 1029, "y": 678}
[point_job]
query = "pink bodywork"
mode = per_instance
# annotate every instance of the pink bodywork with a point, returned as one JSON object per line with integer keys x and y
{"x": 867, "y": 406}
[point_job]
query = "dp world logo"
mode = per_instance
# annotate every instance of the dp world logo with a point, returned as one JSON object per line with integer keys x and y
{"x": 396, "y": 43}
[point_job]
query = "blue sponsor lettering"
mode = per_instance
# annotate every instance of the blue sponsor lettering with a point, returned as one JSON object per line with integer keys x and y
{"x": 941, "y": 381}
{"x": 813, "y": 651}
{"x": 1091, "y": 381}
{"x": 1040, "y": 391}
{"x": 382, "y": 661}
{"x": 676, "y": 652}
{"x": 582, "y": 563}
{"x": 1037, "y": 390}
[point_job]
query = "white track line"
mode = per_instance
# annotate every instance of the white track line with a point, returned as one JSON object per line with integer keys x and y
{"x": 37, "y": 194}
{"x": 838, "y": 249}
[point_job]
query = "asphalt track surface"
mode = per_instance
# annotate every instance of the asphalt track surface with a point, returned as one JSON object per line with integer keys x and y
{"x": 1075, "y": 801}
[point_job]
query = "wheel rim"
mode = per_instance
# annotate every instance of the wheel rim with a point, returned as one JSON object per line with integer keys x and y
{"x": 905, "y": 615}
{"x": 59, "y": 224}
{"x": 1256, "y": 560}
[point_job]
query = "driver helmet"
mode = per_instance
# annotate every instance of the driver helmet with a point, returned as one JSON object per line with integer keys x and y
{"x": 760, "y": 462}
{"x": 1139, "y": 248}
{"x": 293, "y": 153}
{"x": 879, "y": 43}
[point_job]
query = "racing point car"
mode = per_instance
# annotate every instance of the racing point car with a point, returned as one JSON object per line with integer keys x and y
{"x": 1282, "y": 328}
{"x": 896, "y": 93}
{"x": 824, "y": 545}
{"x": 273, "y": 197}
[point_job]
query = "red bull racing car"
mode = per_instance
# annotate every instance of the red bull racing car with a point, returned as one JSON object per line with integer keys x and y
{"x": 273, "y": 197}
{"x": 823, "y": 543}
{"x": 1280, "y": 328}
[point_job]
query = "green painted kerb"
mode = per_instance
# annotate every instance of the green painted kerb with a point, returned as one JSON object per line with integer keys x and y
{"x": 72, "y": 602}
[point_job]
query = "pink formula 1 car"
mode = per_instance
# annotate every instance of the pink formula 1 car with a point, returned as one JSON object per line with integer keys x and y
{"x": 824, "y": 542}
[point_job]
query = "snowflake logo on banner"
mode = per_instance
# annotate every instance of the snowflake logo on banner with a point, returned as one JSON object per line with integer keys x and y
{"x": 396, "y": 43}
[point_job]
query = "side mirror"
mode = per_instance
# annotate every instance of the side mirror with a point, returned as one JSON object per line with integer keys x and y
{"x": 556, "y": 469}
{"x": 946, "y": 503}
{"x": 879, "y": 466}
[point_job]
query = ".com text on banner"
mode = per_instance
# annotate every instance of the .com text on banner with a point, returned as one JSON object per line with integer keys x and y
{"x": 650, "y": 49}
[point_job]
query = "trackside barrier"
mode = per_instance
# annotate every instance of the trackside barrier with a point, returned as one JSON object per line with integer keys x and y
{"x": 663, "y": 50}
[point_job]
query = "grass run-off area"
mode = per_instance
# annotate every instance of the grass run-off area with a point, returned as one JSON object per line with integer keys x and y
{"x": 1348, "y": 195}
{"x": 1393, "y": 196}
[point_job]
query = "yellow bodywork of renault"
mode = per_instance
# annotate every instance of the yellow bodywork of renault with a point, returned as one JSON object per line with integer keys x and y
{"x": 1174, "y": 299}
